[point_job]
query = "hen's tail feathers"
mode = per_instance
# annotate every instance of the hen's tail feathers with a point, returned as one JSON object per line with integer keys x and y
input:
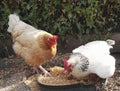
{"x": 13, "y": 20}
{"x": 110, "y": 42}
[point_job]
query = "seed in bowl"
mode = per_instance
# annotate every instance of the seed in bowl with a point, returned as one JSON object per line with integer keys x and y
{"x": 59, "y": 77}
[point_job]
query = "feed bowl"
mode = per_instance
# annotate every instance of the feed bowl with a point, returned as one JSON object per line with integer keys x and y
{"x": 72, "y": 87}
{"x": 61, "y": 82}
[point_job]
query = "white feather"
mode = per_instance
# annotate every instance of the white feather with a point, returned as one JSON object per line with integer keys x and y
{"x": 13, "y": 20}
{"x": 94, "y": 48}
{"x": 103, "y": 66}
{"x": 18, "y": 26}
{"x": 97, "y": 53}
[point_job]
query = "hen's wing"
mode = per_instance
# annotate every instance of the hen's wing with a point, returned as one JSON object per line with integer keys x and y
{"x": 95, "y": 48}
{"x": 104, "y": 66}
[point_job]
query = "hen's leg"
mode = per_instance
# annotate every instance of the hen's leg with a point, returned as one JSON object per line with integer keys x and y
{"x": 35, "y": 70}
{"x": 106, "y": 81}
{"x": 46, "y": 73}
{"x": 103, "y": 83}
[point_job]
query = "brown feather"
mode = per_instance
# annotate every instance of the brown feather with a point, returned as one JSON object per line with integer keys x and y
{"x": 29, "y": 42}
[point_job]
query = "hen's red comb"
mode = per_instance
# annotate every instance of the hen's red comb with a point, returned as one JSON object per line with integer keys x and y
{"x": 55, "y": 37}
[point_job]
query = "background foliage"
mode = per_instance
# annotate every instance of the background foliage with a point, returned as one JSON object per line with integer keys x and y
{"x": 74, "y": 17}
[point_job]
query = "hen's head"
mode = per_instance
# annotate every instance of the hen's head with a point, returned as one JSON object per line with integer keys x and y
{"x": 52, "y": 41}
{"x": 67, "y": 67}
{"x": 77, "y": 60}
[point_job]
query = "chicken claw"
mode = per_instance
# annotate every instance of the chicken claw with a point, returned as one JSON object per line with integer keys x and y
{"x": 35, "y": 70}
{"x": 46, "y": 73}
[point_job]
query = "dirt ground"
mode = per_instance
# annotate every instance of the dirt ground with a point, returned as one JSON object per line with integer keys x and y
{"x": 16, "y": 75}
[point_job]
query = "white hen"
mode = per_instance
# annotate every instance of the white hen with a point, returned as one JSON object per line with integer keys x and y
{"x": 94, "y": 57}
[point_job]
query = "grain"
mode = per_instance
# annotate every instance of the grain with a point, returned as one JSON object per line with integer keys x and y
{"x": 60, "y": 77}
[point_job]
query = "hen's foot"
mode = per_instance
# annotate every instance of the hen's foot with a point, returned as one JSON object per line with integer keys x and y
{"x": 35, "y": 70}
{"x": 46, "y": 73}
